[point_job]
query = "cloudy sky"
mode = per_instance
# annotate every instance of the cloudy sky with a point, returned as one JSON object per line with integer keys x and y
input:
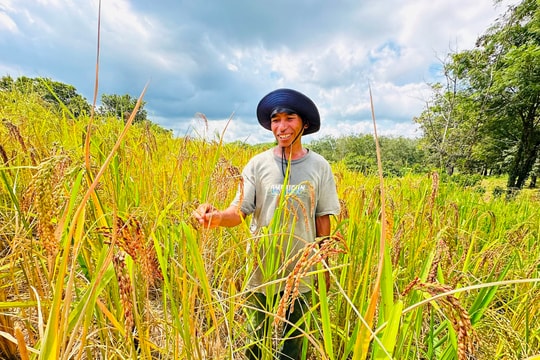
{"x": 219, "y": 57}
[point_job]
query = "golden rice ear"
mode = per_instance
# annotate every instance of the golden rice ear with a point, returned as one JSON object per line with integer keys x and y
{"x": 15, "y": 133}
{"x": 203, "y": 118}
{"x": 225, "y": 177}
{"x": 126, "y": 290}
{"x": 188, "y": 210}
{"x": 21, "y": 343}
{"x": 3, "y": 155}
{"x": 311, "y": 197}
{"x": 46, "y": 193}
{"x": 299, "y": 205}
{"x": 343, "y": 210}
{"x": 454, "y": 311}
{"x": 130, "y": 237}
{"x": 312, "y": 254}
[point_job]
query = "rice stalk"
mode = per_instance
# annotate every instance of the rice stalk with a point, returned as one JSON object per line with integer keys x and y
{"x": 21, "y": 343}
{"x": 458, "y": 316}
{"x": 363, "y": 339}
{"x": 60, "y": 309}
{"x": 433, "y": 195}
{"x": 3, "y": 155}
{"x": 16, "y": 134}
{"x": 46, "y": 194}
{"x": 130, "y": 237}
{"x": 312, "y": 254}
{"x": 126, "y": 290}
{"x": 438, "y": 292}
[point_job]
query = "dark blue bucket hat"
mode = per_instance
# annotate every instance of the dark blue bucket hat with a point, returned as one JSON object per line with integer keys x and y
{"x": 290, "y": 100}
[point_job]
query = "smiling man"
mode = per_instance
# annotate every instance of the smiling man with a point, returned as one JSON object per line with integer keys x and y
{"x": 291, "y": 193}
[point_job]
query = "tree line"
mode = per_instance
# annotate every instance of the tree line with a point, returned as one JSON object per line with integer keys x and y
{"x": 358, "y": 153}
{"x": 64, "y": 97}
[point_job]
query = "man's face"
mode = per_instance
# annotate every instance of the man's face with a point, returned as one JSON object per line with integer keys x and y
{"x": 286, "y": 128}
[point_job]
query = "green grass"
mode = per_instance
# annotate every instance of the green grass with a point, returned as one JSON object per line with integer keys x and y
{"x": 60, "y": 236}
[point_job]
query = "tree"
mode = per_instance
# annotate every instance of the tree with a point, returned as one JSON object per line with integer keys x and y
{"x": 450, "y": 126}
{"x": 61, "y": 96}
{"x": 511, "y": 54}
{"x": 358, "y": 153}
{"x": 496, "y": 98}
{"x": 6, "y": 83}
{"x": 121, "y": 106}
{"x": 65, "y": 96}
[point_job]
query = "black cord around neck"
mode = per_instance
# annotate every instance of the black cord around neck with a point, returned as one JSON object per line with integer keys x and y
{"x": 283, "y": 160}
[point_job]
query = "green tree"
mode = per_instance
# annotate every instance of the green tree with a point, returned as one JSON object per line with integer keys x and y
{"x": 358, "y": 153}
{"x": 59, "y": 95}
{"x": 121, "y": 106}
{"x": 401, "y": 155}
{"x": 64, "y": 96}
{"x": 326, "y": 146}
{"x": 7, "y": 83}
{"x": 451, "y": 125}
{"x": 491, "y": 112}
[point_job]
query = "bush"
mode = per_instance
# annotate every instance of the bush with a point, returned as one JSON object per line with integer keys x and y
{"x": 466, "y": 180}
{"x": 498, "y": 191}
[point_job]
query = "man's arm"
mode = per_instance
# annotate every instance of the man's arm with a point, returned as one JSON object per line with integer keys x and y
{"x": 210, "y": 217}
{"x": 322, "y": 229}
{"x": 322, "y": 226}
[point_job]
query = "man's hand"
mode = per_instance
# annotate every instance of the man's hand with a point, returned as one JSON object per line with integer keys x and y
{"x": 208, "y": 216}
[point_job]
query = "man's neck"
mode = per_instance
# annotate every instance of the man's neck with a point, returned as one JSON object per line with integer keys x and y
{"x": 293, "y": 152}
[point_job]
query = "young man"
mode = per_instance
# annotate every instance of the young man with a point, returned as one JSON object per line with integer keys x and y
{"x": 291, "y": 192}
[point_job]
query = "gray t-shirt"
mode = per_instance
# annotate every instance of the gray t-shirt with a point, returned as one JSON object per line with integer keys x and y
{"x": 281, "y": 235}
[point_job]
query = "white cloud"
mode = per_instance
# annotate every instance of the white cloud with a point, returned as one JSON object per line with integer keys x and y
{"x": 49, "y": 3}
{"x": 218, "y": 58}
{"x": 7, "y": 23}
{"x": 444, "y": 25}
{"x": 122, "y": 25}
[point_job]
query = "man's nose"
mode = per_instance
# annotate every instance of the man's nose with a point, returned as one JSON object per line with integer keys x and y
{"x": 281, "y": 124}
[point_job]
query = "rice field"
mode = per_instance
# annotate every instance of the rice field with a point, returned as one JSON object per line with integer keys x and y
{"x": 101, "y": 259}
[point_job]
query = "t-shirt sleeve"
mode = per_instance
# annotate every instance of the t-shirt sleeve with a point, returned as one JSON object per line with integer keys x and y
{"x": 328, "y": 203}
{"x": 246, "y": 191}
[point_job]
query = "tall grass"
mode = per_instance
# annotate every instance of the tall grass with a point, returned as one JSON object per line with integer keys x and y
{"x": 104, "y": 262}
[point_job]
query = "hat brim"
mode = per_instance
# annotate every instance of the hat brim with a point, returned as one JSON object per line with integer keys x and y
{"x": 290, "y": 99}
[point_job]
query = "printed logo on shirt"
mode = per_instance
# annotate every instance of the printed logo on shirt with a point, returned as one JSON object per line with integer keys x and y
{"x": 295, "y": 190}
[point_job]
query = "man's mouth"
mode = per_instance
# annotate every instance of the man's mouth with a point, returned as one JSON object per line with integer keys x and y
{"x": 284, "y": 136}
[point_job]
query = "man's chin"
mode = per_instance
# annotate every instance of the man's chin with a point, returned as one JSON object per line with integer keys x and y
{"x": 284, "y": 144}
